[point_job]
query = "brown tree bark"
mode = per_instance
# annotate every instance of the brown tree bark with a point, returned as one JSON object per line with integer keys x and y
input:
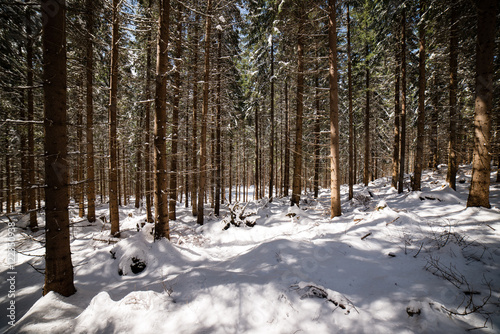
{"x": 452, "y": 143}
{"x": 162, "y": 228}
{"x": 204, "y": 117}
{"x": 397, "y": 115}
{"x": 113, "y": 171}
{"x": 286, "y": 170}
{"x": 218, "y": 166}
{"x": 58, "y": 266}
{"x": 89, "y": 71}
{"x": 30, "y": 114}
{"x": 402, "y": 138}
{"x": 147, "y": 158}
{"x": 351, "y": 113}
{"x": 271, "y": 141}
{"x": 297, "y": 156}
{"x": 175, "y": 120}
{"x": 334, "y": 113}
{"x": 433, "y": 133}
{"x": 485, "y": 48}
{"x": 194, "y": 159}
{"x": 419, "y": 154}
{"x": 367, "y": 158}
{"x": 257, "y": 150}
{"x": 80, "y": 189}
{"x": 317, "y": 129}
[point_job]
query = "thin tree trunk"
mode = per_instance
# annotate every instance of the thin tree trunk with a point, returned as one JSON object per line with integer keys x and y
{"x": 433, "y": 135}
{"x": 203, "y": 155}
{"x": 485, "y": 47}
{"x": 30, "y": 114}
{"x": 297, "y": 157}
{"x": 80, "y": 172}
{"x": 419, "y": 156}
{"x": 271, "y": 142}
{"x": 138, "y": 163}
{"x": 286, "y": 171}
{"x": 175, "y": 119}
{"x": 195, "y": 175}
{"x": 351, "y": 113}
{"x": 257, "y": 149}
{"x": 58, "y": 266}
{"x": 334, "y": 113}
{"x": 113, "y": 171}
{"x": 89, "y": 71}
{"x": 402, "y": 139}
{"x": 366, "y": 173}
{"x": 218, "y": 166}
{"x": 452, "y": 143}
{"x": 317, "y": 130}
{"x": 147, "y": 139}
{"x": 397, "y": 116}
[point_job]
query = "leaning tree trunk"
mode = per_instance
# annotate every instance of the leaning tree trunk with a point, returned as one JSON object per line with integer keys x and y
{"x": 162, "y": 229}
{"x": 485, "y": 47}
{"x": 58, "y": 266}
{"x": 334, "y": 114}
{"x": 113, "y": 168}
{"x": 419, "y": 156}
{"x": 204, "y": 116}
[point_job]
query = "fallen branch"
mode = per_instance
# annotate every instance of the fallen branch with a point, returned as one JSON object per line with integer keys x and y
{"x": 366, "y": 235}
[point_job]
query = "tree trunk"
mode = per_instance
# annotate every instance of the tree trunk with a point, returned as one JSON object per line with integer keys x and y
{"x": 395, "y": 155}
{"x": 297, "y": 156}
{"x": 113, "y": 171}
{"x": 286, "y": 170}
{"x": 195, "y": 174}
{"x": 367, "y": 159}
{"x": 419, "y": 156}
{"x": 485, "y": 47}
{"x": 80, "y": 171}
{"x": 433, "y": 135}
{"x": 334, "y": 113}
{"x": 218, "y": 166}
{"x": 162, "y": 229}
{"x": 58, "y": 266}
{"x": 402, "y": 139}
{"x": 351, "y": 113}
{"x": 175, "y": 119}
{"x": 206, "y": 78}
{"x": 452, "y": 144}
{"x": 30, "y": 114}
{"x": 257, "y": 149}
{"x": 89, "y": 71}
{"x": 147, "y": 139}
{"x": 317, "y": 130}
{"x": 271, "y": 142}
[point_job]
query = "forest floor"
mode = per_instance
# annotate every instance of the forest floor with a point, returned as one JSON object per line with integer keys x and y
{"x": 416, "y": 262}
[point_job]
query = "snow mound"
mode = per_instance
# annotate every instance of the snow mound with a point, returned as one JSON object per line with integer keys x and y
{"x": 311, "y": 290}
{"x": 104, "y": 315}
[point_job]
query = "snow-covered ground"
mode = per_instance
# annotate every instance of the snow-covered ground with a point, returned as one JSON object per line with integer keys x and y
{"x": 392, "y": 263}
